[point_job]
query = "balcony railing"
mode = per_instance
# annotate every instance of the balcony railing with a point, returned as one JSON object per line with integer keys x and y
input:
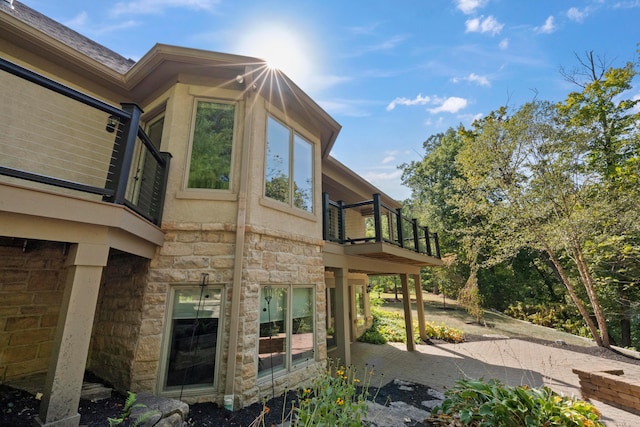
{"x": 343, "y": 223}
{"x": 54, "y": 135}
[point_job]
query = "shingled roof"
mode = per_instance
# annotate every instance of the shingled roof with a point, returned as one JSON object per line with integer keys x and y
{"x": 67, "y": 36}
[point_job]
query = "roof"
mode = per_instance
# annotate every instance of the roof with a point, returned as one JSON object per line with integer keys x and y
{"x": 162, "y": 65}
{"x": 67, "y": 36}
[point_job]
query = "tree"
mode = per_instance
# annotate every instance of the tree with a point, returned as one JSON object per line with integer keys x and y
{"x": 525, "y": 171}
{"x": 600, "y": 110}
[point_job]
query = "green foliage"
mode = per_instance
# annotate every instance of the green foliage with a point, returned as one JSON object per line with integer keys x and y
{"x": 562, "y": 317}
{"x": 125, "y": 417}
{"x": 336, "y": 397}
{"x": 444, "y": 332}
{"x": 543, "y": 194}
{"x": 210, "y": 165}
{"x": 389, "y": 326}
{"x": 333, "y": 400}
{"x": 490, "y": 403}
{"x": 469, "y": 298}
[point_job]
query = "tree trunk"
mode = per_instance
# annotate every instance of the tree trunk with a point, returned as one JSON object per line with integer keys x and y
{"x": 625, "y": 321}
{"x": 587, "y": 280}
{"x": 574, "y": 297}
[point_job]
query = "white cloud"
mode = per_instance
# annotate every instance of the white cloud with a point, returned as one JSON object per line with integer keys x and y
{"x": 453, "y": 104}
{"x": 487, "y": 25}
{"x": 152, "y": 7}
{"x": 346, "y": 107}
{"x": 418, "y": 100}
{"x": 504, "y": 44}
{"x": 576, "y": 14}
{"x": 390, "y": 157}
{"x": 473, "y": 78}
{"x": 548, "y": 27}
{"x": 469, "y": 6}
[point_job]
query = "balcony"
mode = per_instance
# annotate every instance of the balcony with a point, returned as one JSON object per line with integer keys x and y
{"x": 55, "y": 137}
{"x": 372, "y": 229}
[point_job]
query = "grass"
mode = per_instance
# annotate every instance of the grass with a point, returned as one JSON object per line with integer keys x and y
{"x": 446, "y": 311}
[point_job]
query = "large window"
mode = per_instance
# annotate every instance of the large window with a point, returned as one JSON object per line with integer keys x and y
{"x": 193, "y": 338}
{"x": 286, "y": 328}
{"x": 289, "y": 167}
{"x": 211, "y": 149}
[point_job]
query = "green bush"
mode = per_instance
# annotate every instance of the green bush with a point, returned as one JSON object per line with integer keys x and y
{"x": 480, "y": 403}
{"x": 336, "y": 397}
{"x": 562, "y": 317}
{"x": 388, "y": 326}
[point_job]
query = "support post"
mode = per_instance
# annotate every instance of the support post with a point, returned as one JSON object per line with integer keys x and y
{"x": 59, "y": 406}
{"x": 342, "y": 315}
{"x": 417, "y": 281}
{"x": 408, "y": 321}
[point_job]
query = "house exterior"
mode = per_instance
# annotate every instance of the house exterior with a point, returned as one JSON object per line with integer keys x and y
{"x": 177, "y": 224}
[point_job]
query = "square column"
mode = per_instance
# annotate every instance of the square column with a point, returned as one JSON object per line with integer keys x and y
{"x": 342, "y": 315}
{"x": 59, "y": 406}
{"x": 408, "y": 321}
{"x": 417, "y": 281}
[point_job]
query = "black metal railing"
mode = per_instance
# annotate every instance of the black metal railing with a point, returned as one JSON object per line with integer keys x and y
{"x": 374, "y": 221}
{"x": 55, "y": 135}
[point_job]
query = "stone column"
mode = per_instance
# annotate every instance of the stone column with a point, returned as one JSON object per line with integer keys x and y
{"x": 420, "y": 306}
{"x": 406, "y": 302}
{"x": 342, "y": 314}
{"x": 59, "y": 406}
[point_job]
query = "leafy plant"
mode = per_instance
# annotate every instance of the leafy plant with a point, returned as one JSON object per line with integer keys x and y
{"x": 129, "y": 405}
{"x": 336, "y": 397}
{"x": 479, "y": 403}
{"x": 389, "y": 327}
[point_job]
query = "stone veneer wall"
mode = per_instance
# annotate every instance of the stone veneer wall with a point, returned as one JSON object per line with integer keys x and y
{"x": 270, "y": 257}
{"x": 190, "y": 249}
{"x": 275, "y": 258}
{"x": 119, "y": 319}
{"x": 31, "y": 288}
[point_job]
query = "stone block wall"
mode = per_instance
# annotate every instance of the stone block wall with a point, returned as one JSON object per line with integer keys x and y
{"x": 32, "y": 283}
{"x": 190, "y": 249}
{"x": 611, "y": 387}
{"x": 277, "y": 258}
{"x": 118, "y": 319}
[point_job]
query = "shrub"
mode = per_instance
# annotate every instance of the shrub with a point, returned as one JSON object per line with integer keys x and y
{"x": 336, "y": 397}
{"x": 480, "y": 403}
{"x": 563, "y": 317}
{"x": 389, "y": 326}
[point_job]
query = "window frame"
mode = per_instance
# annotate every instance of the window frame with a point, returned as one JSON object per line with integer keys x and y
{"x": 163, "y": 366}
{"x": 294, "y": 134}
{"x": 188, "y": 192}
{"x": 290, "y": 365}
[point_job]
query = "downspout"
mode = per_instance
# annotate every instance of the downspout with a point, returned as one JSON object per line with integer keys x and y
{"x": 241, "y": 221}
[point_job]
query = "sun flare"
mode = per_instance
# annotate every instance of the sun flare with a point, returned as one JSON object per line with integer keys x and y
{"x": 282, "y": 49}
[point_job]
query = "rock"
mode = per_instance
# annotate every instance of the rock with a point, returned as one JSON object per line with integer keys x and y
{"x": 397, "y": 414}
{"x": 435, "y": 394}
{"x": 159, "y": 411}
{"x": 95, "y": 392}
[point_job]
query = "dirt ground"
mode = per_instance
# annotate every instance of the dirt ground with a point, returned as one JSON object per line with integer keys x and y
{"x": 19, "y": 407}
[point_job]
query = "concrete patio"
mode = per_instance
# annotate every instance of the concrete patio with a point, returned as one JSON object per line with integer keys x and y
{"x": 512, "y": 361}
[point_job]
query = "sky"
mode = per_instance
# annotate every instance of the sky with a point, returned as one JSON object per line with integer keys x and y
{"x": 391, "y": 72}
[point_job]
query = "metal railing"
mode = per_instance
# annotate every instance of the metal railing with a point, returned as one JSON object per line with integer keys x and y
{"x": 344, "y": 224}
{"x": 55, "y": 135}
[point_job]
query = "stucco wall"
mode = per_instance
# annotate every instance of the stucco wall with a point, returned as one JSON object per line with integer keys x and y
{"x": 31, "y": 288}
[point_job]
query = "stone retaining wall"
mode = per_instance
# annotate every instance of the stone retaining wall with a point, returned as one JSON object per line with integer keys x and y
{"x": 610, "y": 387}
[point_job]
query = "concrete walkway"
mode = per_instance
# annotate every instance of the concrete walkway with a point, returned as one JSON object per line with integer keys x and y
{"x": 512, "y": 361}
